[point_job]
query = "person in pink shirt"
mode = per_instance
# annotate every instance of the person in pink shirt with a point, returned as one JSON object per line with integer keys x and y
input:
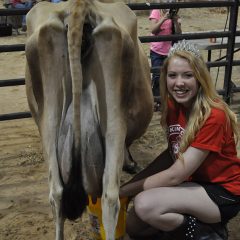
{"x": 161, "y": 24}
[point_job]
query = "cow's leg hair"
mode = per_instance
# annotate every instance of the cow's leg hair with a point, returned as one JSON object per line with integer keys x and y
{"x": 52, "y": 35}
{"x": 55, "y": 185}
{"x": 55, "y": 197}
{"x": 107, "y": 37}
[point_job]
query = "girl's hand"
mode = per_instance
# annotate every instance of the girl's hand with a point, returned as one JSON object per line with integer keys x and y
{"x": 131, "y": 189}
{"x": 166, "y": 15}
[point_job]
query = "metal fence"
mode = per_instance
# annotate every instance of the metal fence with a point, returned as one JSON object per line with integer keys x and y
{"x": 228, "y": 62}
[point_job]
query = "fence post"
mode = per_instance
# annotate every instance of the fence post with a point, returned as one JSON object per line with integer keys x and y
{"x": 230, "y": 52}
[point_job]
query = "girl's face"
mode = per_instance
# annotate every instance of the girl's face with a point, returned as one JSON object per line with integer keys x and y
{"x": 181, "y": 83}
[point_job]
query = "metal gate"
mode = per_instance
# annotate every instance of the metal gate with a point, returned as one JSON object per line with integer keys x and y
{"x": 228, "y": 62}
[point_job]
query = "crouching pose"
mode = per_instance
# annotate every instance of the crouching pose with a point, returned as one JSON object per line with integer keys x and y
{"x": 192, "y": 189}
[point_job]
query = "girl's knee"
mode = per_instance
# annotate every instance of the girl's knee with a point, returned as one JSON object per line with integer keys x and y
{"x": 142, "y": 206}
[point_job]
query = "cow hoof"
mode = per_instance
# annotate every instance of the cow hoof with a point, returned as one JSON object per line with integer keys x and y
{"x": 157, "y": 107}
{"x": 132, "y": 168}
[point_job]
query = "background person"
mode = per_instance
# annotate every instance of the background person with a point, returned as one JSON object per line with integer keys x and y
{"x": 22, "y": 4}
{"x": 192, "y": 189}
{"x": 56, "y": 1}
{"x": 161, "y": 24}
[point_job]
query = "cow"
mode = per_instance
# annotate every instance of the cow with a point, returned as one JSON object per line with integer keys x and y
{"x": 89, "y": 91}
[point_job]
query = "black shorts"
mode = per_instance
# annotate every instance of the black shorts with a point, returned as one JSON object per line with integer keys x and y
{"x": 228, "y": 204}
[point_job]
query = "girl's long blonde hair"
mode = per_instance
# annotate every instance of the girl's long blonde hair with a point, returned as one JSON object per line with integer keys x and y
{"x": 206, "y": 99}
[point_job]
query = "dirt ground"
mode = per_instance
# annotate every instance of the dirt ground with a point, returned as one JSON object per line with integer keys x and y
{"x": 24, "y": 209}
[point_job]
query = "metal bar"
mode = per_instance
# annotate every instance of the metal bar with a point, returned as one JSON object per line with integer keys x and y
{"x": 221, "y": 58}
{"x": 142, "y": 6}
{"x": 230, "y": 49}
{"x": 12, "y": 82}
{"x": 12, "y": 48}
{"x": 13, "y": 116}
{"x": 216, "y": 64}
{"x": 13, "y": 11}
{"x": 143, "y": 39}
{"x": 199, "y": 4}
{"x": 209, "y": 57}
{"x": 235, "y": 89}
{"x": 202, "y": 35}
{"x": 236, "y": 62}
{"x": 221, "y": 92}
{"x": 209, "y": 65}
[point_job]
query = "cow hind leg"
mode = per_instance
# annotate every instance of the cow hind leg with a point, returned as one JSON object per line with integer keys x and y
{"x": 108, "y": 36}
{"x": 55, "y": 198}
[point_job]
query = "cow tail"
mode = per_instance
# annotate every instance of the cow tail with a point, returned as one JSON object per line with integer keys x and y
{"x": 74, "y": 199}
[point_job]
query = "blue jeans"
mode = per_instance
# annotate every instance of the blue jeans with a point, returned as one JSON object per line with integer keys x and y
{"x": 56, "y": 1}
{"x": 156, "y": 61}
{"x": 23, "y": 6}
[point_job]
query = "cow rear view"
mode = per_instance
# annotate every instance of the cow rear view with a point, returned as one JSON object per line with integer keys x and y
{"x": 89, "y": 92}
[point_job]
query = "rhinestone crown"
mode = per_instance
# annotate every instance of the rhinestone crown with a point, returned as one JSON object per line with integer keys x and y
{"x": 184, "y": 46}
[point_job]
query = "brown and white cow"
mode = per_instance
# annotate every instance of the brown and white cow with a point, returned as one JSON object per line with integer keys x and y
{"x": 88, "y": 89}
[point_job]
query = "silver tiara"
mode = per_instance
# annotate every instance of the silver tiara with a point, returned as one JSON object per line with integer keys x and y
{"x": 184, "y": 46}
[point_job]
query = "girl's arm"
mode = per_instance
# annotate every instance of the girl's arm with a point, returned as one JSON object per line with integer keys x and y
{"x": 156, "y": 24}
{"x": 174, "y": 175}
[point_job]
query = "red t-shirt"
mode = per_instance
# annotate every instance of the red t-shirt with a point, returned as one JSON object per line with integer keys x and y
{"x": 222, "y": 166}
